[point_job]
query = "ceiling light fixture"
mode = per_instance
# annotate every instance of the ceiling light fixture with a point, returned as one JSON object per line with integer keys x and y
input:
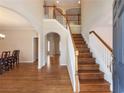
{"x": 2, "y": 36}
{"x": 79, "y": 2}
{"x": 57, "y": 2}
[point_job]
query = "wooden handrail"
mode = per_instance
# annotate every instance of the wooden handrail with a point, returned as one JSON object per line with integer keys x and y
{"x": 67, "y": 21}
{"x": 60, "y": 12}
{"x": 105, "y": 44}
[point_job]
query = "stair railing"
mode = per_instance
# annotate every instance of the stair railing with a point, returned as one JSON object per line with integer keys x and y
{"x": 57, "y": 13}
{"x": 103, "y": 54}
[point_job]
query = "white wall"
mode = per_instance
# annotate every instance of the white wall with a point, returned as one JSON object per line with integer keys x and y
{"x": 51, "y": 25}
{"x": 76, "y": 29}
{"x": 97, "y": 16}
{"x": 71, "y": 61}
{"x": 19, "y": 38}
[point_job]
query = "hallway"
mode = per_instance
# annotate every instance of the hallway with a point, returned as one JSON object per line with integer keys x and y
{"x": 27, "y": 79}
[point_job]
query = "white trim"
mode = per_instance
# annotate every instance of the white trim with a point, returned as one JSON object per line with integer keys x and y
{"x": 26, "y": 61}
{"x": 39, "y": 67}
{"x": 63, "y": 64}
{"x": 71, "y": 79}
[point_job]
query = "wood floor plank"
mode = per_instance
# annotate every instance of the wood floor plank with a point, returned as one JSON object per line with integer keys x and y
{"x": 26, "y": 78}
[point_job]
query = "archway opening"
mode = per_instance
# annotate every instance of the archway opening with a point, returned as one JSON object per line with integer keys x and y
{"x": 53, "y": 48}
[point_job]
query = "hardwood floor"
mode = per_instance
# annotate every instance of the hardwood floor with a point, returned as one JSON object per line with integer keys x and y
{"x": 27, "y": 79}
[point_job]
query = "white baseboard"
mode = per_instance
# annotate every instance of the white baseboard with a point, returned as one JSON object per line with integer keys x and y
{"x": 63, "y": 64}
{"x": 39, "y": 67}
{"x": 26, "y": 61}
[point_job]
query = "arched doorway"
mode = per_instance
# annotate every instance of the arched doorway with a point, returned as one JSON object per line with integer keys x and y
{"x": 52, "y": 45}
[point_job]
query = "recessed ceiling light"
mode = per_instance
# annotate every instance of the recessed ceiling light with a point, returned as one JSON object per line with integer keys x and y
{"x": 57, "y": 2}
{"x": 79, "y": 2}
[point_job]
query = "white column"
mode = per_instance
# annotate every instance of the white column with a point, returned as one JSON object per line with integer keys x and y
{"x": 40, "y": 51}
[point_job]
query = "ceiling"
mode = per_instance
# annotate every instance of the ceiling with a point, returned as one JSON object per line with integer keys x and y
{"x": 10, "y": 18}
{"x": 63, "y": 3}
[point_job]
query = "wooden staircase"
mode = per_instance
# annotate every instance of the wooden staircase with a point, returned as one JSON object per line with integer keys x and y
{"x": 90, "y": 77}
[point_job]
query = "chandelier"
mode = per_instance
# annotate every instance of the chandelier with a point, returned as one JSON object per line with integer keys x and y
{"x": 2, "y": 36}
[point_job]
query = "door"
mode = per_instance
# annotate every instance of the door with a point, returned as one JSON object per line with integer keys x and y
{"x": 118, "y": 46}
{"x": 35, "y": 48}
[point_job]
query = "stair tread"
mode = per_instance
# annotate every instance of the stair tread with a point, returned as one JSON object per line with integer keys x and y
{"x": 89, "y": 71}
{"x": 82, "y": 49}
{"x": 93, "y": 81}
{"x": 86, "y": 61}
{"x": 83, "y": 63}
{"x": 87, "y": 58}
{"x": 76, "y": 34}
{"x": 85, "y": 53}
{"x": 88, "y": 64}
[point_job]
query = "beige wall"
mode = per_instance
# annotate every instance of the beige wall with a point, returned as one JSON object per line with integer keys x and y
{"x": 97, "y": 16}
{"x": 21, "y": 38}
{"x": 76, "y": 29}
{"x": 31, "y": 10}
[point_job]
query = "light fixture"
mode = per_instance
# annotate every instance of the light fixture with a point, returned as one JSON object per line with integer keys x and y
{"x": 2, "y": 36}
{"x": 79, "y": 2}
{"x": 57, "y": 2}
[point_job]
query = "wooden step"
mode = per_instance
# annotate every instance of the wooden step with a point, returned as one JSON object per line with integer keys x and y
{"x": 83, "y": 50}
{"x": 86, "y": 60}
{"x": 85, "y": 55}
{"x": 80, "y": 42}
{"x": 81, "y": 46}
{"x": 78, "y": 39}
{"x": 90, "y": 74}
{"x": 88, "y": 67}
{"x": 83, "y": 43}
{"x": 94, "y": 85}
{"x": 76, "y": 35}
